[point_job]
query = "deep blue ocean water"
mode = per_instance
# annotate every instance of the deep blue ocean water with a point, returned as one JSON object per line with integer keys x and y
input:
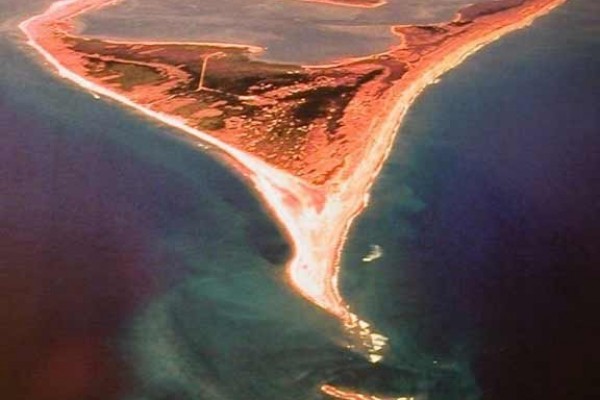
{"x": 136, "y": 267}
{"x": 488, "y": 214}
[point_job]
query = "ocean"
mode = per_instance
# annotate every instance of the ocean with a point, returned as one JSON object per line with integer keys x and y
{"x": 487, "y": 214}
{"x": 137, "y": 266}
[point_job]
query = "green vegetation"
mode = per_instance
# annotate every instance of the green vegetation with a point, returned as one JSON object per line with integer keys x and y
{"x": 131, "y": 75}
{"x": 211, "y": 123}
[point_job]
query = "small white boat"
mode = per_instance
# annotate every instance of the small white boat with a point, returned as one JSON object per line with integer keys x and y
{"x": 375, "y": 252}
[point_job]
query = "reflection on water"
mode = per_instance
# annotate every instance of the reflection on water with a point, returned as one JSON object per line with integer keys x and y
{"x": 292, "y": 31}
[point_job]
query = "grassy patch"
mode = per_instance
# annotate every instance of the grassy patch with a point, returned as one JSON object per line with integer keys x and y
{"x": 211, "y": 123}
{"x": 131, "y": 75}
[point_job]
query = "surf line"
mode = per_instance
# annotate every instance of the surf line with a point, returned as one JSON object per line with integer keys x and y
{"x": 316, "y": 219}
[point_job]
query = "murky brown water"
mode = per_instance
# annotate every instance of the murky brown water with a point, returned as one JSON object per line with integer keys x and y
{"x": 292, "y": 30}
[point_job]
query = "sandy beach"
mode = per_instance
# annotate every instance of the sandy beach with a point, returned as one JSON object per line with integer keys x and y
{"x": 352, "y": 3}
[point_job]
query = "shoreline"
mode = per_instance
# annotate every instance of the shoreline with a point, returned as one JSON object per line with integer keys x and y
{"x": 267, "y": 180}
{"x": 346, "y": 3}
{"x": 307, "y": 213}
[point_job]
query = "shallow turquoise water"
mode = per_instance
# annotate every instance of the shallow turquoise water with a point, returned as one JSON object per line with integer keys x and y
{"x": 136, "y": 265}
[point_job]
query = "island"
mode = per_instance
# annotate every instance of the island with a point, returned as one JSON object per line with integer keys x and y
{"x": 310, "y": 138}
